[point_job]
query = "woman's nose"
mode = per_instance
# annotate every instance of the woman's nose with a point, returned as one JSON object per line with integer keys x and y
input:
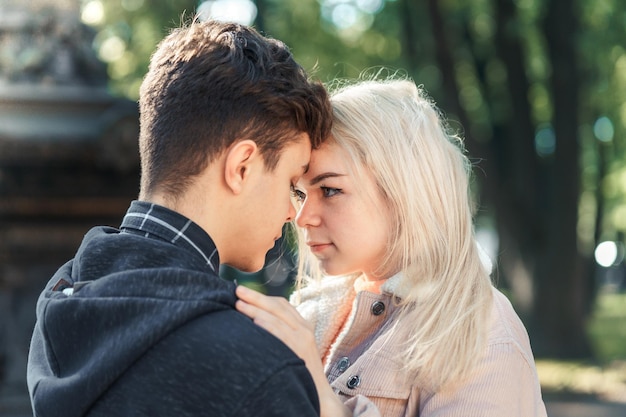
{"x": 307, "y": 215}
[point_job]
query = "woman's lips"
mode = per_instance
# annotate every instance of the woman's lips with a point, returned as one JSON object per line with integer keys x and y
{"x": 318, "y": 247}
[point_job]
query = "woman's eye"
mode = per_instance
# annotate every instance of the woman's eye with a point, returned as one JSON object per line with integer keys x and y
{"x": 298, "y": 195}
{"x": 329, "y": 192}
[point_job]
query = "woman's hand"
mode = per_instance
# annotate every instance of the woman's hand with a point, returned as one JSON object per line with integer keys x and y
{"x": 281, "y": 319}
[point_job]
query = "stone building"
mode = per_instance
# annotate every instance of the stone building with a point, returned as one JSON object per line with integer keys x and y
{"x": 68, "y": 161}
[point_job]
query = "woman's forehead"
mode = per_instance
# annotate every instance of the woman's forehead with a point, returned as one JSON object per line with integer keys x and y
{"x": 329, "y": 157}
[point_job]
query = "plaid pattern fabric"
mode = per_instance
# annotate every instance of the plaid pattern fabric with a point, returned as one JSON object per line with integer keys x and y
{"x": 157, "y": 222}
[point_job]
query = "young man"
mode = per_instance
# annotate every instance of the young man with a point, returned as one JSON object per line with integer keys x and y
{"x": 139, "y": 323}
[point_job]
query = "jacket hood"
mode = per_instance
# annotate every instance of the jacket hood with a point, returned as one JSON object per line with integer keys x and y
{"x": 102, "y": 310}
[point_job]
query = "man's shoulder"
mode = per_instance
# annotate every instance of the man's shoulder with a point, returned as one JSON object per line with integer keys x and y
{"x": 225, "y": 361}
{"x": 232, "y": 334}
{"x": 217, "y": 364}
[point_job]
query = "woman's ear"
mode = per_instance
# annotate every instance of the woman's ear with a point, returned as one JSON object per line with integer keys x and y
{"x": 238, "y": 164}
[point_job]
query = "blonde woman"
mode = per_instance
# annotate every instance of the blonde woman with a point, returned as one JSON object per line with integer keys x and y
{"x": 397, "y": 315}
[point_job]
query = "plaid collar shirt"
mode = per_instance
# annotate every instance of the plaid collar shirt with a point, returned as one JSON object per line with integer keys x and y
{"x": 157, "y": 222}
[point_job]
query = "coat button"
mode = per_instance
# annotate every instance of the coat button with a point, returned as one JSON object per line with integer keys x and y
{"x": 378, "y": 308}
{"x": 343, "y": 364}
{"x": 353, "y": 382}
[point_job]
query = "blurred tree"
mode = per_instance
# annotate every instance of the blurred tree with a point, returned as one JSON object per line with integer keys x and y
{"x": 563, "y": 277}
{"x": 537, "y": 88}
{"x": 128, "y": 31}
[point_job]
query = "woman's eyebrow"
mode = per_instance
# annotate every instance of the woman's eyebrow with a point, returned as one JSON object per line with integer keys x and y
{"x": 325, "y": 175}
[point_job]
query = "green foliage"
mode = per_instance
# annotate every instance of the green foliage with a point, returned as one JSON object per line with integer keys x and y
{"x": 321, "y": 47}
{"x": 601, "y": 45}
{"x": 128, "y": 32}
{"x": 607, "y": 327}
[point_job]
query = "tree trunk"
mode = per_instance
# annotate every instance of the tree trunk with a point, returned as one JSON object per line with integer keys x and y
{"x": 518, "y": 213}
{"x": 563, "y": 278}
{"x": 535, "y": 201}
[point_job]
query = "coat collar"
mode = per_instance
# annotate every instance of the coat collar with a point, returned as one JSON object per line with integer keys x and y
{"x": 327, "y": 304}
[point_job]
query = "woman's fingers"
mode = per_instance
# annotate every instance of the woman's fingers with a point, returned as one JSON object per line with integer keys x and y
{"x": 253, "y": 297}
{"x": 266, "y": 320}
{"x": 280, "y": 318}
{"x": 276, "y": 306}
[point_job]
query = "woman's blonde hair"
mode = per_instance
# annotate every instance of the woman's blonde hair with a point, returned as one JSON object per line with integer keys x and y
{"x": 392, "y": 130}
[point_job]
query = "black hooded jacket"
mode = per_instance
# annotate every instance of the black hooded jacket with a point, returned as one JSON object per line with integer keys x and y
{"x": 135, "y": 325}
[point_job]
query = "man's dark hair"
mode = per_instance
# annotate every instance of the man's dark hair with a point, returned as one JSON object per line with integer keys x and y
{"x": 212, "y": 83}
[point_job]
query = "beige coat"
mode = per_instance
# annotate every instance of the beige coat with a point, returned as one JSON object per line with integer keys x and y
{"x": 367, "y": 373}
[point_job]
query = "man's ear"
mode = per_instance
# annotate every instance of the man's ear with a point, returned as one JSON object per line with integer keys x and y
{"x": 237, "y": 164}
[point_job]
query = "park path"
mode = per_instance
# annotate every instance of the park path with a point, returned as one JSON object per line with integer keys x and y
{"x": 585, "y": 409}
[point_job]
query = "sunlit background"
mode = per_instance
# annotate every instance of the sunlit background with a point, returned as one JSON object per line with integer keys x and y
{"x": 536, "y": 87}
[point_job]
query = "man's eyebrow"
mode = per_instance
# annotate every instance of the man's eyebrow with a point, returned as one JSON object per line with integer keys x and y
{"x": 324, "y": 176}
